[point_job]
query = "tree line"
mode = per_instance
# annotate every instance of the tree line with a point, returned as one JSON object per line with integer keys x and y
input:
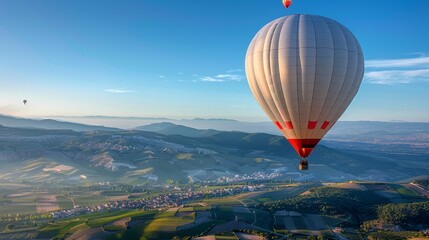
{"x": 405, "y": 213}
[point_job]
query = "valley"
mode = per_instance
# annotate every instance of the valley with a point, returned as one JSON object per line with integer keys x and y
{"x": 176, "y": 182}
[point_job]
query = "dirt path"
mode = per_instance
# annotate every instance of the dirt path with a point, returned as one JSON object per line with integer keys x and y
{"x": 72, "y": 200}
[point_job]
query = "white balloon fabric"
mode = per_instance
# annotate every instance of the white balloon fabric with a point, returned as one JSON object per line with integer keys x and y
{"x": 304, "y": 70}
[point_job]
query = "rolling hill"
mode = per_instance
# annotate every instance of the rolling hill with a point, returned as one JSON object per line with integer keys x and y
{"x": 10, "y": 121}
{"x": 168, "y": 128}
{"x": 189, "y": 155}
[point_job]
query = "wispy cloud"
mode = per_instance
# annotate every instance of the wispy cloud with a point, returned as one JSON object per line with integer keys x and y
{"x": 397, "y": 76}
{"x": 211, "y": 79}
{"x": 118, "y": 90}
{"x": 398, "y": 63}
{"x": 222, "y": 77}
{"x": 398, "y": 71}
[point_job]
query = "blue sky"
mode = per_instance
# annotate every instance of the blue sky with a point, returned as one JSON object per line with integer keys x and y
{"x": 185, "y": 59}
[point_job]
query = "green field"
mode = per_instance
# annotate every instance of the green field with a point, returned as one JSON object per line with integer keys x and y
{"x": 169, "y": 213}
{"x": 259, "y": 197}
{"x": 168, "y": 224}
{"x": 163, "y": 226}
{"x": 224, "y": 201}
{"x": 89, "y": 199}
{"x": 13, "y": 202}
{"x": 58, "y": 230}
{"x": 100, "y": 221}
{"x": 404, "y": 191}
{"x": 186, "y": 209}
{"x": 16, "y": 208}
{"x": 64, "y": 202}
{"x": 279, "y": 194}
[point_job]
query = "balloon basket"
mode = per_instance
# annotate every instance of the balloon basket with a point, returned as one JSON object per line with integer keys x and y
{"x": 303, "y": 164}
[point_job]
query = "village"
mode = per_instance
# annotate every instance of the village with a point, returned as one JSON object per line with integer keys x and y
{"x": 157, "y": 202}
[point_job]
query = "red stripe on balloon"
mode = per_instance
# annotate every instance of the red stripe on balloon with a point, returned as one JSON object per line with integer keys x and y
{"x": 325, "y": 124}
{"x": 289, "y": 125}
{"x": 279, "y": 125}
{"x": 312, "y": 124}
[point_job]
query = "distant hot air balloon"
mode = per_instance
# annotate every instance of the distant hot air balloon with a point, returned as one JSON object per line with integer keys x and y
{"x": 304, "y": 70}
{"x": 24, "y": 101}
{"x": 287, "y": 3}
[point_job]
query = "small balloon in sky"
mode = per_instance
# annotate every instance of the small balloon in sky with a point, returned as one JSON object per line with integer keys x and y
{"x": 287, "y": 3}
{"x": 24, "y": 101}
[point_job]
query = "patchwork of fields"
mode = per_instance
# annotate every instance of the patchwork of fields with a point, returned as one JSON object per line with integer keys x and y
{"x": 208, "y": 217}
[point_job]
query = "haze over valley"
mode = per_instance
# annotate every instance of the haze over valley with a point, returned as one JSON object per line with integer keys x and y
{"x": 164, "y": 151}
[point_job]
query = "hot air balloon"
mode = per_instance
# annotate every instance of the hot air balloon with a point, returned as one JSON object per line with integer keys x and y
{"x": 287, "y": 3}
{"x": 304, "y": 70}
{"x": 24, "y": 101}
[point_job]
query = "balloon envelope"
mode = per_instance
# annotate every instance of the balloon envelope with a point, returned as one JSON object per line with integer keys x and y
{"x": 287, "y": 3}
{"x": 304, "y": 70}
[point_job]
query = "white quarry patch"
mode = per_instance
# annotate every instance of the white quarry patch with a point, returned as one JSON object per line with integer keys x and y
{"x": 59, "y": 168}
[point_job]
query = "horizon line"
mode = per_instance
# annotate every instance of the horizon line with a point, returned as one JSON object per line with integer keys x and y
{"x": 45, "y": 117}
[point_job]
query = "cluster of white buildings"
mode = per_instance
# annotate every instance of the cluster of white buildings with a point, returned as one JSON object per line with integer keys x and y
{"x": 156, "y": 202}
{"x": 252, "y": 177}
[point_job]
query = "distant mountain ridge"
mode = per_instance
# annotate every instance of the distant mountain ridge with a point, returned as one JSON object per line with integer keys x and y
{"x": 167, "y": 128}
{"x": 10, "y": 121}
{"x": 341, "y": 128}
{"x": 393, "y": 133}
{"x": 364, "y": 127}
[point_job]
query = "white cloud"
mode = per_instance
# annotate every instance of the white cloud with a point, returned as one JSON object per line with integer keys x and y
{"x": 118, "y": 90}
{"x": 397, "y": 76}
{"x": 398, "y": 63}
{"x": 211, "y": 79}
{"x": 222, "y": 77}
{"x": 162, "y": 76}
{"x": 398, "y": 71}
{"x": 232, "y": 77}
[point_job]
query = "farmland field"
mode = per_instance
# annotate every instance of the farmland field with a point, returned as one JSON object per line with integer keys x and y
{"x": 404, "y": 191}
{"x": 100, "y": 221}
{"x": 164, "y": 225}
{"x": 58, "y": 230}
{"x": 252, "y": 211}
